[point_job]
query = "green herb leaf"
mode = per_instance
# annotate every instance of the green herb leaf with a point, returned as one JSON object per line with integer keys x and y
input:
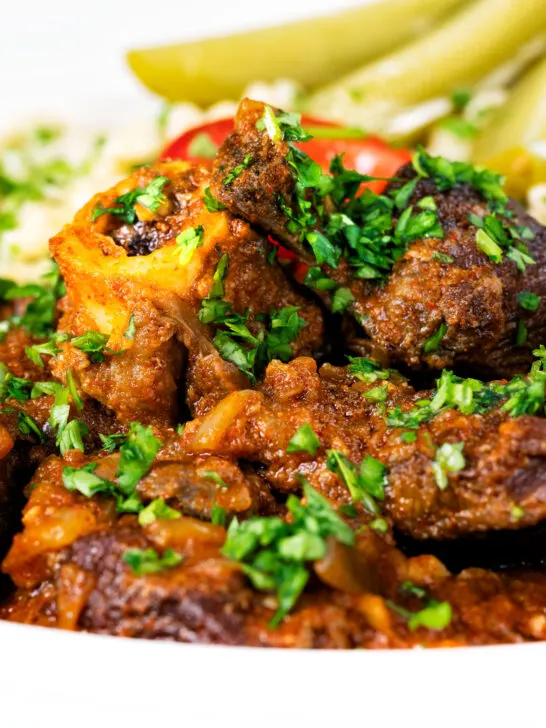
{"x": 110, "y": 443}
{"x": 449, "y": 458}
{"x": 529, "y": 301}
{"x": 433, "y": 343}
{"x": 274, "y": 552}
{"x": 211, "y": 203}
{"x": 148, "y": 561}
{"x": 218, "y": 515}
{"x": 85, "y": 481}
{"x": 230, "y": 178}
{"x": 94, "y": 344}
{"x": 341, "y": 300}
{"x": 157, "y": 509}
{"x": 435, "y": 616}
{"x": 138, "y": 452}
{"x": 188, "y": 241}
{"x": 150, "y": 197}
{"x": 304, "y": 440}
{"x": 130, "y": 331}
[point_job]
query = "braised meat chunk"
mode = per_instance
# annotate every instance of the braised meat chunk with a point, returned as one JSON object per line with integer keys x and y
{"x": 203, "y": 296}
{"x": 440, "y": 269}
{"x": 170, "y": 580}
{"x": 439, "y": 468}
{"x": 208, "y": 438}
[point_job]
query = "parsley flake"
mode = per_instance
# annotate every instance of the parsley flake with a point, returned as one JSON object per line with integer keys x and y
{"x": 150, "y": 197}
{"x": 304, "y": 440}
{"x": 148, "y": 561}
{"x": 449, "y": 458}
{"x": 274, "y": 553}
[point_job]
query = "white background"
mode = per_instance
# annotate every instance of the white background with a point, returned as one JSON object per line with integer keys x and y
{"x": 72, "y": 51}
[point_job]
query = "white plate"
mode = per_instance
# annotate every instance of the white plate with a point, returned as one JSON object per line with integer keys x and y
{"x": 63, "y": 56}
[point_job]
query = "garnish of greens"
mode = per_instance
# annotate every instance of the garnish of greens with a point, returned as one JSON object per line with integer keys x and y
{"x": 371, "y": 231}
{"x": 448, "y": 459}
{"x": 137, "y": 454}
{"x": 304, "y": 440}
{"x": 434, "y": 615}
{"x": 522, "y": 395}
{"x": 24, "y": 179}
{"x": 236, "y": 343}
{"x": 151, "y": 197}
{"x": 188, "y": 241}
{"x": 275, "y": 554}
{"x": 148, "y": 561}
{"x": 230, "y": 178}
{"x": 93, "y": 343}
{"x": 38, "y": 318}
{"x": 366, "y": 484}
{"x": 69, "y": 433}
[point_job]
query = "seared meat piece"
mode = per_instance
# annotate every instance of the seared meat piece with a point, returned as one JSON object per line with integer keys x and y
{"x": 88, "y": 585}
{"x": 55, "y": 516}
{"x": 474, "y": 297}
{"x": 500, "y": 482}
{"x": 26, "y": 433}
{"x": 443, "y": 301}
{"x": 138, "y": 262}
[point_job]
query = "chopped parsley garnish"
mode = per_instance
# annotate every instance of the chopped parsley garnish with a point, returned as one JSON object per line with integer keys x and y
{"x": 148, "y": 561}
{"x": 150, "y": 197}
{"x": 319, "y": 281}
{"x": 521, "y": 395}
{"x": 528, "y": 301}
{"x": 94, "y": 344}
{"x": 137, "y": 454}
{"x": 188, "y": 241}
{"x": 442, "y": 257}
{"x": 341, "y": 300}
{"x": 27, "y": 426}
{"x": 521, "y": 333}
{"x": 435, "y": 615}
{"x": 110, "y": 443}
{"x": 71, "y": 436}
{"x": 304, "y": 440}
{"x": 379, "y": 524}
{"x": 496, "y": 235}
{"x": 517, "y": 512}
{"x": 157, "y": 509}
{"x": 237, "y": 171}
{"x": 130, "y": 331}
{"x": 433, "y": 343}
{"x": 218, "y": 515}
{"x": 38, "y": 318}
{"x": 235, "y": 342}
{"x": 35, "y": 352}
{"x": 449, "y": 458}
{"x": 377, "y": 394}
{"x": 211, "y": 203}
{"x": 274, "y": 553}
{"x": 365, "y": 484}
{"x": 367, "y": 370}
{"x": 213, "y": 475}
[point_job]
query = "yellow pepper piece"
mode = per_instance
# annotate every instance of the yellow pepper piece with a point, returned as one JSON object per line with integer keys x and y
{"x": 516, "y": 124}
{"x": 311, "y": 52}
